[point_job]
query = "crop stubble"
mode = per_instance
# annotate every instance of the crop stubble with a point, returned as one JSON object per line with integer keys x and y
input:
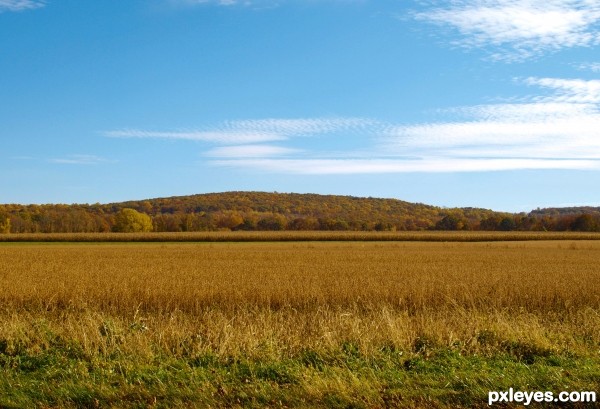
{"x": 235, "y": 298}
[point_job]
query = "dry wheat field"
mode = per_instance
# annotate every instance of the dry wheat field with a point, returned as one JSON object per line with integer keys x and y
{"x": 296, "y": 324}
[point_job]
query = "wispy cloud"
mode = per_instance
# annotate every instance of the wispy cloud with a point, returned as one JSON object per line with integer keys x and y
{"x": 519, "y": 29}
{"x": 564, "y": 126}
{"x": 80, "y": 160}
{"x": 253, "y": 130}
{"x": 589, "y": 66}
{"x": 218, "y": 136}
{"x": 569, "y": 90}
{"x": 382, "y": 165}
{"x": 20, "y": 5}
{"x": 216, "y": 2}
{"x": 254, "y": 4}
{"x": 559, "y": 128}
{"x": 250, "y": 151}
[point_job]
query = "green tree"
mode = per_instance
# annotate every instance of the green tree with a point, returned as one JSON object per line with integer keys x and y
{"x": 132, "y": 221}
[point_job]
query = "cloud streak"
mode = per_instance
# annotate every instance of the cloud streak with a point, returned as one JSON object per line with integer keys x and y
{"x": 569, "y": 90}
{"x": 219, "y": 136}
{"x": 590, "y": 66}
{"x": 254, "y": 130}
{"x": 560, "y": 130}
{"x": 20, "y": 5}
{"x": 519, "y": 29}
{"x": 79, "y": 160}
{"x": 556, "y": 129}
{"x": 192, "y": 3}
{"x": 381, "y": 165}
{"x": 250, "y": 151}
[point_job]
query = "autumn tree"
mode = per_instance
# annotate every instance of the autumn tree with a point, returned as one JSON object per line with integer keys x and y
{"x": 132, "y": 221}
{"x": 4, "y": 224}
{"x": 507, "y": 224}
{"x": 272, "y": 221}
{"x": 584, "y": 222}
{"x": 229, "y": 220}
{"x": 450, "y": 222}
{"x": 490, "y": 223}
{"x": 304, "y": 223}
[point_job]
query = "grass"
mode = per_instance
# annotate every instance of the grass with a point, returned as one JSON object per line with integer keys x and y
{"x": 300, "y": 324}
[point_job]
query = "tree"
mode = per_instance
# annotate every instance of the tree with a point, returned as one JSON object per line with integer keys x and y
{"x": 272, "y": 222}
{"x": 132, "y": 221}
{"x": 229, "y": 220}
{"x": 4, "y": 225}
{"x": 490, "y": 223}
{"x": 304, "y": 223}
{"x": 507, "y": 224}
{"x": 584, "y": 222}
{"x": 450, "y": 222}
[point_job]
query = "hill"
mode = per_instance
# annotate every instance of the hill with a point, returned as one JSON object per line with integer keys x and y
{"x": 284, "y": 211}
{"x": 566, "y": 211}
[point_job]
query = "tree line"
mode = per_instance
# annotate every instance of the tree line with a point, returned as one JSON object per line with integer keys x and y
{"x": 257, "y": 211}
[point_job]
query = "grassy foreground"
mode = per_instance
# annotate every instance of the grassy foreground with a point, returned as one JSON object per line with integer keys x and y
{"x": 361, "y": 324}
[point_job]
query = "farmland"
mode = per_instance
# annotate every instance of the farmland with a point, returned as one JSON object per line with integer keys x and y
{"x": 296, "y": 323}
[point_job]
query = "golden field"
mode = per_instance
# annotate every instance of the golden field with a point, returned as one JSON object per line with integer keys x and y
{"x": 533, "y": 276}
{"x": 274, "y": 301}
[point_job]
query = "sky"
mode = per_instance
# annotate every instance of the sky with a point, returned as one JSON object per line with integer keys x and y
{"x": 454, "y": 103}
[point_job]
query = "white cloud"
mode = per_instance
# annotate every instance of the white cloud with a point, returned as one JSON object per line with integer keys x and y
{"x": 564, "y": 126}
{"x": 254, "y": 130}
{"x": 520, "y": 112}
{"x": 569, "y": 90}
{"x": 567, "y": 138}
{"x": 250, "y": 151}
{"x": 519, "y": 29}
{"x": 79, "y": 160}
{"x": 216, "y": 2}
{"x": 19, "y": 5}
{"x": 219, "y": 136}
{"x": 557, "y": 129}
{"x": 300, "y": 127}
{"x": 589, "y": 66}
{"x": 381, "y": 165}
{"x": 255, "y": 4}
{"x": 500, "y": 128}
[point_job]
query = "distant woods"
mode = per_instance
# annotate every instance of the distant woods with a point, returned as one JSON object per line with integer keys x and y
{"x": 258, "y": 211}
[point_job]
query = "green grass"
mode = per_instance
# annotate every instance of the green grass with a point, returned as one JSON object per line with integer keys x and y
{"x": 346, "y": 377}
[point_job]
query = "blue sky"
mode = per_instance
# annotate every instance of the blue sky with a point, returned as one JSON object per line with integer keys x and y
{"x": 483, "y": 103}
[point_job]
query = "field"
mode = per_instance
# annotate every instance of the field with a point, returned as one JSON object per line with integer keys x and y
{"x": 295, "y": 236}
{"x": 431, "y": 324}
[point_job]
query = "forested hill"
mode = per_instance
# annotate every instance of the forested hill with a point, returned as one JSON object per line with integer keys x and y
{"x": 571, "y": 211}
{"x": 300, "y": 211}
{"x": 281, "y": 211}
